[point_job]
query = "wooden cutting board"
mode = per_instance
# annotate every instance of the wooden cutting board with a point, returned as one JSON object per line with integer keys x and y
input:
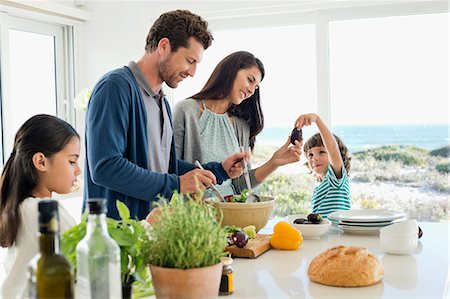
{"x": 254, "y": 247}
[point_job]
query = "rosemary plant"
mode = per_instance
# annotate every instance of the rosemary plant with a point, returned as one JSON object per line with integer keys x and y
{"x": 187, "y": 235}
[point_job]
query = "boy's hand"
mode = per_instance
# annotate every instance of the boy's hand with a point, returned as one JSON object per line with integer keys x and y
{"x": 306, "y": 120}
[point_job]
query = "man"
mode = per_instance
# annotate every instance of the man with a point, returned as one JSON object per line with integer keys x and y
{"x": 130, "y": 150}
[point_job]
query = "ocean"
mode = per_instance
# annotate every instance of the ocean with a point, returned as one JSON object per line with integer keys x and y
{"x": 362, "y": 137}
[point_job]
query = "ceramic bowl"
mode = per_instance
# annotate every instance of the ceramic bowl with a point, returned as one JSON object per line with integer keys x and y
{"x": 309, "y": 231}
{"x": 398, "y": 245}
{"x": 242, "y": 214}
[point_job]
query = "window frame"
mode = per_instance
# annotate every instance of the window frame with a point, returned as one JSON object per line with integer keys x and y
{"x": 64, "y": 66}
{"x": 322, "y": 20}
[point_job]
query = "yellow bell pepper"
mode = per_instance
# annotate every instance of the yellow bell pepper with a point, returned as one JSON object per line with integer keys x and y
{"x": 285, "y": 236}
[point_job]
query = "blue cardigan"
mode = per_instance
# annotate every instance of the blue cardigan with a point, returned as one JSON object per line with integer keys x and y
{"x": 117, "y": 146}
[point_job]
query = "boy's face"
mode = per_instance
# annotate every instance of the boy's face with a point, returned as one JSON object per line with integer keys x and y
{"x": 318, "y": 160}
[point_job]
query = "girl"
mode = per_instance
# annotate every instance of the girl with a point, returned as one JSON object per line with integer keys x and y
{"x": 44, "y": 160}
{"x": 224, "y": 115}
{"x": 329, "y": 160}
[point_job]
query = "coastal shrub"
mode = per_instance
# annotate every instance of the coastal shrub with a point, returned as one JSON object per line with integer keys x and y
{"x": 441, "y": 152}
{"x": 408, "y": 155}
{"x": 293, "y": 193}
{"x": 262, "y": 154}
{"x": 443, "y": 167}
{"x": 292, "y": 203}
{"x": 365, "y": 201}
{"x": 420, "y": 190}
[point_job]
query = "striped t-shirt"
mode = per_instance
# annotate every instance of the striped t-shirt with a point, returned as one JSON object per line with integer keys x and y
{"x": 332, "y": 194}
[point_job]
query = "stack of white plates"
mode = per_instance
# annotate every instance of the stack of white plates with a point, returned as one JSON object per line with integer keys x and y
{"x": 365, "y": 221}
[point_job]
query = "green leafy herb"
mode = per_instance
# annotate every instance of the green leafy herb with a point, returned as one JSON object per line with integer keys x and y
{"x": 129, "y": 234}
{"x": 187, "y": 235}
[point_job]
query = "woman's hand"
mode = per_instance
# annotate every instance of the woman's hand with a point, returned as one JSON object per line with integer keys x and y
{"x": 287, "y": 153}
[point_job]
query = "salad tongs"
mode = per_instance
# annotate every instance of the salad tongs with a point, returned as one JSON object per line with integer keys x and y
{"x": 199, "y": 165}
{"x": 251, "y": 197}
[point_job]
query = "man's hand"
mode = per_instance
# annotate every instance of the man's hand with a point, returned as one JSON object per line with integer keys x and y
{"x": 233, "y": 165}
{"x": 196, "y": 180}
{"x": 153, "y": 216}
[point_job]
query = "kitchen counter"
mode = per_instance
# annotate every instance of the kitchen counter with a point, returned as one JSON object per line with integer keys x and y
{"x": 283, "y": 274}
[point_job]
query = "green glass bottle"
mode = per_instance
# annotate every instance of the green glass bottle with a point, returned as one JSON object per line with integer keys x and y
{"x": 50, "y": 274}
{"x": 98, "y": 257}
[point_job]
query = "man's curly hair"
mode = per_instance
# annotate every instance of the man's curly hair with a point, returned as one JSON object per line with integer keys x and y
{"x": 178, "y": 26}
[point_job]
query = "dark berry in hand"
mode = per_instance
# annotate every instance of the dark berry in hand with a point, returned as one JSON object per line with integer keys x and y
{"x": 300, "y": 220}
{"x": 296, "y": 135}
{"x": 314, "y": 218}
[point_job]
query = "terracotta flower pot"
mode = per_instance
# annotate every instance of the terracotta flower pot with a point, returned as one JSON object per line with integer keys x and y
{"x": 189, "y": 283}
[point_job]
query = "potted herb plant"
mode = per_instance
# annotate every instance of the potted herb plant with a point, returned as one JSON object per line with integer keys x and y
{"x": 184, "y": 249}
{"x": 129, "y": 234}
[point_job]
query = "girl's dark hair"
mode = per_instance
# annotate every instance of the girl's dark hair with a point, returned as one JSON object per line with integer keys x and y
{"x": 219, "y": 86}
{"x": 178, "y": 26}
{"x": 42, "y": 133}
{"x": 316, "y": 140}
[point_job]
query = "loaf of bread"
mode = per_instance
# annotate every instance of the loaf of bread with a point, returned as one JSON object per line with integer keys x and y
{"x": 344, "y": 266}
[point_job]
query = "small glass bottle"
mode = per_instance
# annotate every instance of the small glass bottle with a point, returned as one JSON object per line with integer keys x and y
{"x": 98, "y": 257}
{"x": 50, "y": 274}
{"x": 226, "y": 283}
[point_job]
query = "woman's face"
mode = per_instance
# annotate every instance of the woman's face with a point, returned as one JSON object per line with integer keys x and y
{"x": 245, "y": 84}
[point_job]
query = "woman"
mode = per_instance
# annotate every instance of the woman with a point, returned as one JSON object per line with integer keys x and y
{"x": 225, "y": 115}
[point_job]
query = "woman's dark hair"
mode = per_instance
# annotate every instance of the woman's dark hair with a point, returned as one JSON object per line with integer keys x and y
{"x": 41, "y": 133}
{"x": 219, "y": 86}
{"x": 316, "y": 140}
{"x": 178, "y": 26}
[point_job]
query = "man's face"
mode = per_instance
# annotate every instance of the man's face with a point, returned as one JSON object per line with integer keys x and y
{"x": 177, "y": 66}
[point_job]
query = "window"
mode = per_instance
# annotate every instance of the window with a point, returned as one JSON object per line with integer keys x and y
{"x": 288, "y": 90}
{"x": 289, "y": 86}
{"x": 34, "y": 75}
{"x": 389, "y": 87}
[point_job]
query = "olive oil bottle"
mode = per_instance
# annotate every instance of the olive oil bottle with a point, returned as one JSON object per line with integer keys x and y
{"x": 98, "y": 257}
{"x": 50, "y": 274}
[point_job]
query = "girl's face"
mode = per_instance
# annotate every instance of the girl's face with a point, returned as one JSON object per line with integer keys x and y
{"x": 62, "y": 169}
{"x": 318, "y": 160}
{"x": 245, "y": 84}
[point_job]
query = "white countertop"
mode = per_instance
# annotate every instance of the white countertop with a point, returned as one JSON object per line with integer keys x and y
{"x": 283, "y": 274}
